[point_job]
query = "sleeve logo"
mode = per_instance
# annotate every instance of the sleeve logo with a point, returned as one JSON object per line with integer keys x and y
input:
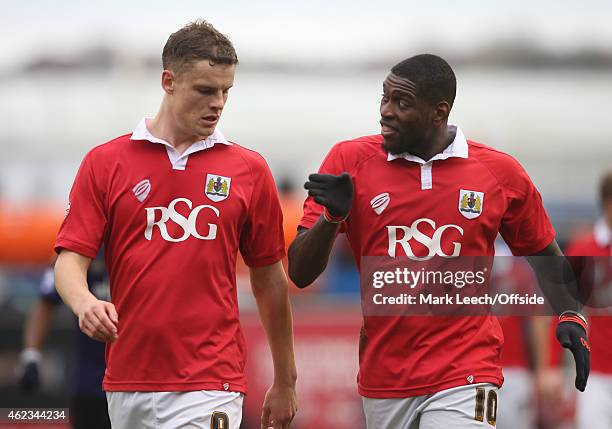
{"x": 470, "y": 203}
{"x": 217, "y": 187}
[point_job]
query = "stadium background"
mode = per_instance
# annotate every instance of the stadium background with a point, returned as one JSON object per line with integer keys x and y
{"x": 533, "y": 80}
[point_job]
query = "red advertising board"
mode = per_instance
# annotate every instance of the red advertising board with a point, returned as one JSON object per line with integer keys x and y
{"x": 326, "y": 347}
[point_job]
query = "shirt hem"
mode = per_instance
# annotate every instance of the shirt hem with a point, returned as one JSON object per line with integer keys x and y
{"x": 255, "y": 263}
{"x": 308, "y": 223}
{"x": 384, "y": 393}
{"x": 536, "y": 248}
{"x": 171, "y": 387}
{"x": 82, "y": 249}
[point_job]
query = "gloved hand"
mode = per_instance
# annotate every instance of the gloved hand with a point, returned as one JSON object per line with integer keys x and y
{"x": 335, "y": 193}
{"x": 572, "y": 334}
{"x": 27, "y": 371}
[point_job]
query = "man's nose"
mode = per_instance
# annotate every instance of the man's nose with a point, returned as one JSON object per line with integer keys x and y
{"x": 385, "y": 110}
{"x": 218, "y": 101}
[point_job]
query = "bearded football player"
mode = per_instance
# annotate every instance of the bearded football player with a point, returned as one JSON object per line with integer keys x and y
{"x": 420, "y": 189}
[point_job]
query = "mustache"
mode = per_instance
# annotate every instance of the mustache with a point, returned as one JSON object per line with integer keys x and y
{"x": 389, "y": 125}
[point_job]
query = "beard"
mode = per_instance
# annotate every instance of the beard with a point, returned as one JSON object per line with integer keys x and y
{"x": 403, "y": 142}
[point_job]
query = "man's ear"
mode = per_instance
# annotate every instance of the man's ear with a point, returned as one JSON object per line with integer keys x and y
{"x": 441, "y": 112}
{"x": 168, "y": 80}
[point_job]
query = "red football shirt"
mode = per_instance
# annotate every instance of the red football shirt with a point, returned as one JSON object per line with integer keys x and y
{"x": 172, "y": 226}
{"x": 598, "y": 244}
{"x": 411, "y": 356}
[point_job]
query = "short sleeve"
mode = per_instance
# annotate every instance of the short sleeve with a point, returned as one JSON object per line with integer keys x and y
{"x": 83, "y": 227}
{"x": 262, "y": 241}
{"x": 332, "y": 164}
{"x": 525, "y": 226}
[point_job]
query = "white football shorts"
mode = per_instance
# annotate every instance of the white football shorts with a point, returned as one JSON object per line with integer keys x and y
{"x": 201, "y": 409}
{"x": 464, "y": 407}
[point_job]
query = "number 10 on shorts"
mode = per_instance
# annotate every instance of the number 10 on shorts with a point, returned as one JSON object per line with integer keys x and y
{"x": 219, "y": 420}
{"x": 491, "y": 402}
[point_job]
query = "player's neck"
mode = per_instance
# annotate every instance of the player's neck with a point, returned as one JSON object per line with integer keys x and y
{"x": 161, "y": 126}
{"x": 435, "y": 145}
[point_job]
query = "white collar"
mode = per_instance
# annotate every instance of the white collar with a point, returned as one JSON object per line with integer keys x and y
{"x": 179, "y": 161}
{"x": 458, "y": 149}
{"x": 602, "y": 233}
{"x": 141, "y": 132}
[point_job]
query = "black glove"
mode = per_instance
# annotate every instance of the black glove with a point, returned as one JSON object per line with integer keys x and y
{"x": 335, "y": 193}
{"x": 571, "y": 334}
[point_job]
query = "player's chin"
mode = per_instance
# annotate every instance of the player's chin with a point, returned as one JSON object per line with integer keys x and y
{"x": 392, "y": 144}
{"x": 205, "y": 130}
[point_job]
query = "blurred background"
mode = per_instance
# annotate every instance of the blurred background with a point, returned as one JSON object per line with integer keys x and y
{"x": 534, "y": 80}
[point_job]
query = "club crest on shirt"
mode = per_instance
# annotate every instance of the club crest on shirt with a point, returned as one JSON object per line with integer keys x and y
{"x": 217, "y": 187}
{"x": 470, "y": 203}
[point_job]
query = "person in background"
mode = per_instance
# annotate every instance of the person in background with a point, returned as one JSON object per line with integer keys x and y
{"x": 88, "y": 407}
{"x": 291, "y": 203}
{"x": 524, "y": 354}
{"x": 593, "y": 410}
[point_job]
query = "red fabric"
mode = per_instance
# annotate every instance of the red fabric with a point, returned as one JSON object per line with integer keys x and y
{"x": 411, "y": 356}
{"x": 325, "y": 354}
{"x": 173, "y": 282}
{"x": 516, "y": 277}
{"x": 600, "y": 326}
{"x": 514, "y": 353}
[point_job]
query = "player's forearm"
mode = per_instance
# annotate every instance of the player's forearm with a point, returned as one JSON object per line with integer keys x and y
{"x": 309, "y": 252}
{"x": 556, "y": 278}
{"x": 270, "y": 290}
{"x": 37, "y": 325}
{"x": 71, "y": 279}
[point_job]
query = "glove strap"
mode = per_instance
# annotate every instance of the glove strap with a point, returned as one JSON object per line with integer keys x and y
{"x": 574, "y": 316}
{"x": 331, "y": 218}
